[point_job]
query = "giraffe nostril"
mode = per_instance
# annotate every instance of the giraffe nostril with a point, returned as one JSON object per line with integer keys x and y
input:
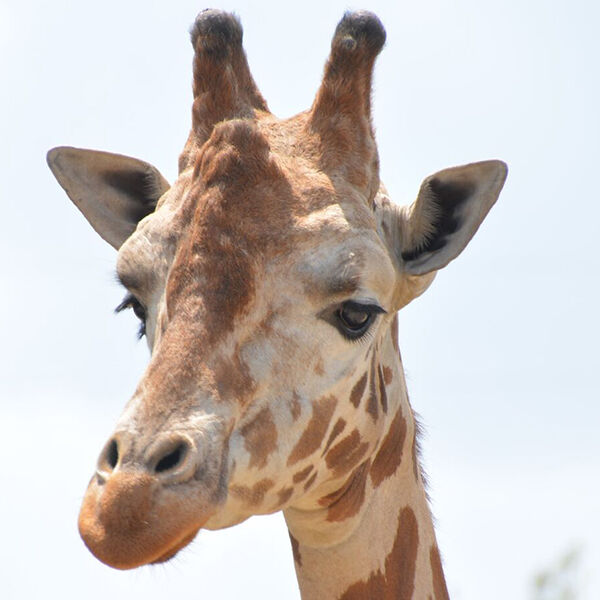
{"x": 172, "y": 459}
{"x": 112, "y": 454}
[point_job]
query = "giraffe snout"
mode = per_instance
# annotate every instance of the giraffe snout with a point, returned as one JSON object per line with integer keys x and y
{"x": 147, "y": 499}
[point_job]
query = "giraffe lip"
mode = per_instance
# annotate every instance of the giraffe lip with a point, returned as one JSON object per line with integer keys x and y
{"x": 129, "y": 521}
{"x": 180, "y": 545}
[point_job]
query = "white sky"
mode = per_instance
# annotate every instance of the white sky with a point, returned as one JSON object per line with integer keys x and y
{"x": 501, "y": 353}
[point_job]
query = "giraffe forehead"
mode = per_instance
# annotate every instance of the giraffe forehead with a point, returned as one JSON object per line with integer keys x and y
{"x": 283, "y": 217}
{"x": 224, "y": 264}
{"x": 256, "y": 190}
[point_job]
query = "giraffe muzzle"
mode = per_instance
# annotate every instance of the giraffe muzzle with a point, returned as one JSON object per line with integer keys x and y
{"x": 143, "y": 506}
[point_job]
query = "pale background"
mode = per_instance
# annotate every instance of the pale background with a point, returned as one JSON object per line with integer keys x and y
{"x": 501, "y": 354}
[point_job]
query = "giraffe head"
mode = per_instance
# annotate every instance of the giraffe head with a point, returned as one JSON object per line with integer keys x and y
{"x": 266, "y": 278}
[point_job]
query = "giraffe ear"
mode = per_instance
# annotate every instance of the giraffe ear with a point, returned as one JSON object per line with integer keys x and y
{"x": 446, "y": 214}
{"x": 113, "y": 192}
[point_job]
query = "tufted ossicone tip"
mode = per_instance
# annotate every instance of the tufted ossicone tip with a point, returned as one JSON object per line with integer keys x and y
{"x": 215, "y": 32}
{"x": 359, "y": 30}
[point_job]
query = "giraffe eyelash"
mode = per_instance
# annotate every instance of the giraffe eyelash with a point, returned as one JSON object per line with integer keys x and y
{"x": 365, "y": 339}
{"x": 130, "y": 301}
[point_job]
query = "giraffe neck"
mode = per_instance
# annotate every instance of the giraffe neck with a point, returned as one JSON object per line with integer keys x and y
{"x": 376, "y": 539}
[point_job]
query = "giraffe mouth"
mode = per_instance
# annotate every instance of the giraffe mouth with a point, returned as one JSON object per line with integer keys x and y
{"x": 130, "y": 520}
{"x": 169, "y": 554}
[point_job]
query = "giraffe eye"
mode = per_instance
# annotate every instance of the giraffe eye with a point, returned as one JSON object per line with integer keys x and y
{"x": 130, "y": 301}
{"x": 354, "y": 318}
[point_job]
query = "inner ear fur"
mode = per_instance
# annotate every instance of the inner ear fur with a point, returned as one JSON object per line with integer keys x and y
{"x": 113, "y": 192}
{"x": 446, "y": 214}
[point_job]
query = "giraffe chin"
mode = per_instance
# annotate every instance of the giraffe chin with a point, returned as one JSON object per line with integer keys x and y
{"x": 167, "y": 556}
{"x": 130, "y": 521}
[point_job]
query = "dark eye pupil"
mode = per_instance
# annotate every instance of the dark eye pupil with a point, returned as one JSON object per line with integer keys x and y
{"x": 139, "y": 311}
{"x": 352, "y": 318}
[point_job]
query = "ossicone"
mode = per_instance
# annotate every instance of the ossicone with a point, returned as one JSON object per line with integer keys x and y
{"x": 223, "y": 86}
{"x": 341, "y": 113}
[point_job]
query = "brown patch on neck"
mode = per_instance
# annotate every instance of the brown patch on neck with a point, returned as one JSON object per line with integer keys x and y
{"x": 372, "y": 404}
{"x": 382, "y": 390}
{"x": 337, "y": 429}
{"x": 253, "y": 496}
{"x": 389, "y": 456}
{"x": 295, "y": 550}
{"x": 358, "y": 390}
{"x": 315, "y": 431}
{"x": 284, "y": 495}
{"x": 302, "y": 475}
{"x": 345, "y": 455}
{"x": 397, "y": 581}
{"x": 346, "y": 502}
{"x": 309, "y": 483}
{"x": 260, "y": 438}
{"x": 437, "y": 575}
{"x": 295, "y": 406}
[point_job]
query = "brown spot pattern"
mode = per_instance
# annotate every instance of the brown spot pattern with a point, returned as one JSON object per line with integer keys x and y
{"x": 302, "y": 475}
{"x": 315, "y": 431}
{"x": 346, "y": 502}
{"x": 389, "y": 456}
{"x": 295, "y": 407}
{"x": 309, "y": 483}
{"x": 358, "y": 390}
{"x": 372, "y": 402}
{"x": 388, "y": 375}
{"x": 319, "y": 367}
{"x": 345, "y": 455}
{"x": 382, "y": 390}
{"x": 397, "y": 581}
{"x": 212, "y": 281}
{"x": 337, "y": 429}
{"x": 253, "y": 496}
{"x": 296, "y": 550}
{"x": 284, "y": 495}
{"x": 233, "y": 380}
{"x": 260, "y": 438}
{"x": 437, "y": 574}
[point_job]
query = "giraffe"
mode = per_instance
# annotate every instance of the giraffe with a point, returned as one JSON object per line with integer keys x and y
{"x": 267, "y": 280}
